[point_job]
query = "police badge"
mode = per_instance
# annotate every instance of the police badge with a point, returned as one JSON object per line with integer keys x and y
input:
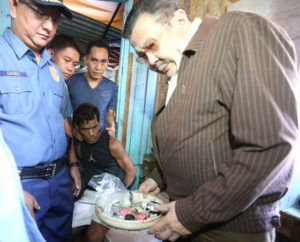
{"x": 54, "y": 73}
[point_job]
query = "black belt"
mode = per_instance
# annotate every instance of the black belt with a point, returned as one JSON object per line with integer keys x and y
{"x": 42, "y": 170}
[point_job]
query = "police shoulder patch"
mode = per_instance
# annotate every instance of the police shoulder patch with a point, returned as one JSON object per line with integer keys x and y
{"x": 54, "y": 73}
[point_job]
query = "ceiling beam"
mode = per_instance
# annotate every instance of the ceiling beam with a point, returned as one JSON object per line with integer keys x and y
{"x": 111, "y": 20}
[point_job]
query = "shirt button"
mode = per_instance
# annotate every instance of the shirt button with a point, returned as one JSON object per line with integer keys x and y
{"x": 53, "y": 140}
{"x": 49, "y": 116}
{"x": 17, "y": 89}
{"x": 43, "y": 93}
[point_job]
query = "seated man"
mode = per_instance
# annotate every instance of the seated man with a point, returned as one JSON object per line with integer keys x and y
{"x": 99, "y": 153}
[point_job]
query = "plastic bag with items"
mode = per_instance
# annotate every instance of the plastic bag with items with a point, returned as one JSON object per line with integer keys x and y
{"x": 110, "y": 190}
{"x": 107, "y": 183}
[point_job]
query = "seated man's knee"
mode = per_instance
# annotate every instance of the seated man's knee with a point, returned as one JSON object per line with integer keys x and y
{"x": 96, "y": 232}
{"x": 78, "y": 233}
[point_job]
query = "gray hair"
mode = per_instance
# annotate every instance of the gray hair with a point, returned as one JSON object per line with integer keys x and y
{"x": 161, "y": 10}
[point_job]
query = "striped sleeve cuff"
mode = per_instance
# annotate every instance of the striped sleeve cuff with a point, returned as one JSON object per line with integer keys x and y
{"x": 155, "y": 175}
{"x": 186, "y": 215}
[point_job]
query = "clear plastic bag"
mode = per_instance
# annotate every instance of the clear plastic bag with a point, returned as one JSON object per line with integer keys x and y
{"x": 110, "y": 191}
{"x": 107, "y": 183}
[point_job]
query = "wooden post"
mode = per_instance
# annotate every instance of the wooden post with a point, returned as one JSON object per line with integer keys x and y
{"x": 127, "y": 98}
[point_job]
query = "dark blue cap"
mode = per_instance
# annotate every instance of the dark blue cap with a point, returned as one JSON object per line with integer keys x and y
{"x": 56, "y": 3}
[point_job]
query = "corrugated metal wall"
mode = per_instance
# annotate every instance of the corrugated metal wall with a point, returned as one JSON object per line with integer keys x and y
{"x": 84, "y": 29}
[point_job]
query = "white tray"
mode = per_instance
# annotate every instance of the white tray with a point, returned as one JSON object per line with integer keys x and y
{"x": 130, "y": 224}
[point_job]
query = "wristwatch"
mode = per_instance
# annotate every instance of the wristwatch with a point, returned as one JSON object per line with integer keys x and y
{"x": 71, "y": 164}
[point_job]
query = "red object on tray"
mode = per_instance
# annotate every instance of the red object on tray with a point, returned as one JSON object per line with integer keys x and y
{"x": 124, "y": 211}
{"x": 142, "y": 216}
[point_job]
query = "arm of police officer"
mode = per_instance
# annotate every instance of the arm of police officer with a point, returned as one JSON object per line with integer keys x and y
{"x": 118, "y": 151}
{"x": 31, "y": 203}
{"x": 74, "y": 170}
{"x": 66, "y": 111}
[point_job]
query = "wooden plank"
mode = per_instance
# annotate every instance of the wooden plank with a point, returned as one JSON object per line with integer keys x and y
{"x": 137, "y": 111}
{"x": 141, "y": 108}
{"x": 124, "y": 53}
{"x": 202, "y": 8}
{"x": 127, "y": 98}
{"x": 125, "y": 47}
{"x": 149, "y": 112}
{"x": 4, "y": 15}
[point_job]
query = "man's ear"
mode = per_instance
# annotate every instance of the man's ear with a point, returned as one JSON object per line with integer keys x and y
{"x": 52, "y": 53}
{"x": 76, "y": 127}
{"x": 85, "y": 60}
{"x": 13, "y": 4}
{"x": 179, "y": 19}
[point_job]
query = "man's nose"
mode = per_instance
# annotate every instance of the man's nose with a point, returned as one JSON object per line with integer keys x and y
{"x": 70, "y": 67}
{"x": 49, "y": 24}
{"x": 99, "y": 65}
{"x": 151, "y": 59}
{"x": 91, "y": 132}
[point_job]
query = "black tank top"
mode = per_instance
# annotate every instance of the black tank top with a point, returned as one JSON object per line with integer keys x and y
{"x": 97, "y": 159}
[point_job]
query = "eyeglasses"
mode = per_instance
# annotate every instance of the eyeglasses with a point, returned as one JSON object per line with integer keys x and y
{"x": 40, "y": 14}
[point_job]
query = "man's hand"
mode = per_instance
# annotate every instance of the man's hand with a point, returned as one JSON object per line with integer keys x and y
{"x": 168, "y": 228}
{"x": 149, "y": 187}
{"x": 110, "y": 122}
{"x": 31, "y": 203}
{"x": 75, "y": 174}
{"x": 111, "y": 130}
{"x": 77, "y": 134}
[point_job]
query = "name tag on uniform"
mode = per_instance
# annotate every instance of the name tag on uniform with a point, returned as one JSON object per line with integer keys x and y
{"x": 13, "y": 73}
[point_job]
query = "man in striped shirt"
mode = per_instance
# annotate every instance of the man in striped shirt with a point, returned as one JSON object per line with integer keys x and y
{"x": 225, "y": 136}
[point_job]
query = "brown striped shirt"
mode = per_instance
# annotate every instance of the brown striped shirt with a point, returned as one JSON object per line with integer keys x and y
{"x": 225, "y": 140}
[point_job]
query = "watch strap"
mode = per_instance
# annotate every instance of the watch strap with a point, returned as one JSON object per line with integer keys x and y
{"x": 72, "y": 164}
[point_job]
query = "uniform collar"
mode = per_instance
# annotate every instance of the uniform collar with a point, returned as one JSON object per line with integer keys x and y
{"x": 20, "y": 48}
{"x": 15, "y": 43}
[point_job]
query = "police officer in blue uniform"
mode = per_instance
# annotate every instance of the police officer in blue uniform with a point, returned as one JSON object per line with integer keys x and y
{"x": 32, "y": 97}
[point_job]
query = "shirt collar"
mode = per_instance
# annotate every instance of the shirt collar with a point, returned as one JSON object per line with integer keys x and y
{"x": 191, "y": 32}
{"x": 20, "y": 48}
{"x": 199, "y": 36}
{"x": 15, "y": 43}
{"x": 46, "y": 57}
{"x": 173, "y": 80}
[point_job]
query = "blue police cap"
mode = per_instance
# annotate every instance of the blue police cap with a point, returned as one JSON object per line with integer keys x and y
{"x": 57, "y": 3}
